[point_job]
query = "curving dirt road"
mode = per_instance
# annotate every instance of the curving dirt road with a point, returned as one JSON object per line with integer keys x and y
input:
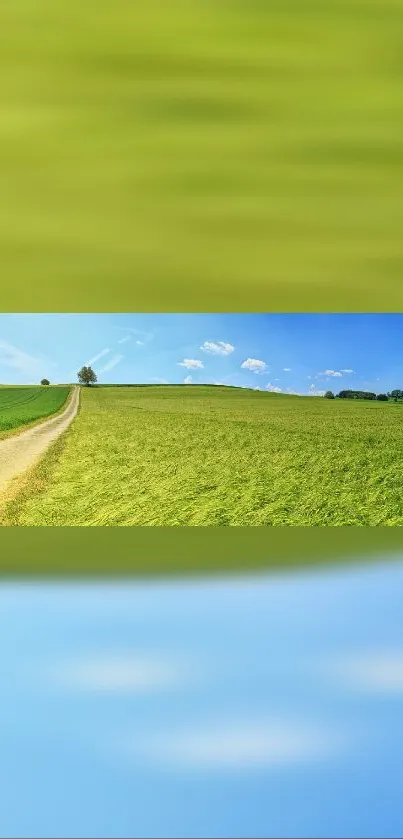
{"x": 19, "y": 452}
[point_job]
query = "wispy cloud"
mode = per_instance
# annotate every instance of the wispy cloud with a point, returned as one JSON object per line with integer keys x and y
{"x": 273, "y": 388}
{"x": 287, "y": 369}
{"x": 337, "y": 374}
{"x": 141, "y": 333}
{"x": 244, "y": 744}
{"x": 97, "y": 357}
{"x": 255, "y": 365}
{"x": 217, "y": 347}
{"x": 120, "y": 674}
{"x": 374, "y": 671}
{"x": 127, "y": 338}
{"x": 16, "y": 359}
{"x": 188, "y": 380}
{"x": 313, "y": 391}
{"x": 191, "y": 363}
{"x": 111, "y": 364}
{"x": 346, "y": 370}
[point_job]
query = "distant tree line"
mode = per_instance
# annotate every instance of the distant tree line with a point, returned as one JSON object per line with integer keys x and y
{"x": 356, "y": 394}
{"x": 365, "y": 394}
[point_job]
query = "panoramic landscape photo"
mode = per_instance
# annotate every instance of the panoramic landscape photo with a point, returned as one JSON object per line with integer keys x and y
{"x": 201, "y": 419}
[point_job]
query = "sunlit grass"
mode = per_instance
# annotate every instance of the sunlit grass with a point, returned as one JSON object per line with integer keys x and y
{"x": 219, "y": 456}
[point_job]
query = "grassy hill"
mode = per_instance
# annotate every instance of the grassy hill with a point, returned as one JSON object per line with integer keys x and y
{"x": 178, "y": 455}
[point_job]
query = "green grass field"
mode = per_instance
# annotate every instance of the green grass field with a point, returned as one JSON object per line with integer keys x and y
{"x": 177, "y": 455}
{"x": 20, "y": 406}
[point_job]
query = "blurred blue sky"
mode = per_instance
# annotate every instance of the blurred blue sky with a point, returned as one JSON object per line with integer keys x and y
{"x": 268, "y": 706}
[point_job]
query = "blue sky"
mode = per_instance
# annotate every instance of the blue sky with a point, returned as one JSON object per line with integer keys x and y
{"x": 292, "y": 353}
{"x": 159, "y": 708}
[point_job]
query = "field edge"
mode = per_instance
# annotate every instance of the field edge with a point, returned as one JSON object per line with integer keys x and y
{"x": 34, "y": 480}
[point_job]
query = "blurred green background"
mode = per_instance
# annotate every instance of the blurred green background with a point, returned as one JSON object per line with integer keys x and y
{"x": 88, "y": 552}
{"x": 201, "y": 155}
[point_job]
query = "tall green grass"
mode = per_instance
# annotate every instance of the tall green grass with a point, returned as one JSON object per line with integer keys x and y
{"x": 220, "y": 456}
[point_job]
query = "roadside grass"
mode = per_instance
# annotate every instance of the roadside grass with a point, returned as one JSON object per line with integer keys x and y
{"x": 23, "y": 407}
{"x": 170, "y": 455}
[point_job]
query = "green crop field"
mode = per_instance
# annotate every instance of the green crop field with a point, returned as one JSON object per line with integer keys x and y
{"x": 177, "y": 455}
{"x": 21, "y": 406}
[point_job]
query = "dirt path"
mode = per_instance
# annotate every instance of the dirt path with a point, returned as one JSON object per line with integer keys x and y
{"x": 19, "y": 452}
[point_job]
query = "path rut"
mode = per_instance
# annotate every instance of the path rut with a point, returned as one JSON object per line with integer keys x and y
{"x": 21, "y": 451}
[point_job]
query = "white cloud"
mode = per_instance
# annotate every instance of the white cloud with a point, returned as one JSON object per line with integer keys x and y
{"x": 314, "y": 392}
{"x": 273, "y": 388}
{"x": 255, "y": 365}
{"x": 121, "y": 674}
{"x": 27, "y": 365}
{"x": 188, "y": 380}
{"x": 140, "y": 343}
{"x": 346, "y": 370}
{"x": 287, "y": 369}
{"x": 191, "y": 363}
{"x": 111, "y": 364}
{"x": 97, "y": 357}
{"x": 379, "y": 672}
{"x": 335, "y": 373}
{"x": 245, "y": 744}
{"x": 217, "y": 347}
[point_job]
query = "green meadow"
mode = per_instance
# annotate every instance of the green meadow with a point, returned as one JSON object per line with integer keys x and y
{"x": 202, "y": 153}
{"x": 21, "y": 406}
{"x": 210, "y": 455}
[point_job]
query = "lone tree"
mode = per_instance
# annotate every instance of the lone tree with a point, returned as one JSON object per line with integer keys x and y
{"x": 86, "y": 376}
{"x": 45, "y": 382}
{"x": 329, "y": 394}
